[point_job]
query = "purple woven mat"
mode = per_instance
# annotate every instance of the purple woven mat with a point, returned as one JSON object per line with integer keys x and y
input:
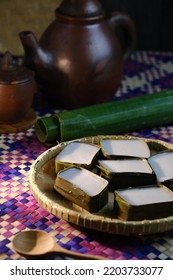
{"x": 144, "y": 73}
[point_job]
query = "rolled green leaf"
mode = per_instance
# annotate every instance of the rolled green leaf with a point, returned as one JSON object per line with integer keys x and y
{"x": 115, "y": 117}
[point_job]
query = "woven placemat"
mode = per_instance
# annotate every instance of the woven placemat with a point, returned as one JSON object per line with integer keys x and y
{"x": 144, "y": 73}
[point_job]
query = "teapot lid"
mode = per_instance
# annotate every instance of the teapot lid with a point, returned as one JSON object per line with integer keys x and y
{"x": 81, "y": 8}
{"x": 13, "y": 74}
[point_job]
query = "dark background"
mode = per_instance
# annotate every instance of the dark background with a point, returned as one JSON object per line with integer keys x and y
{"x": 153, "y": 20}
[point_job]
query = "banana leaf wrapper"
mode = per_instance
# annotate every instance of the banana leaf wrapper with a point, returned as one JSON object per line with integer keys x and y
{"x": 116, "y": 117}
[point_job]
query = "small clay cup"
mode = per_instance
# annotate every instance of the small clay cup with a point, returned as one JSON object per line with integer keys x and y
{"x": 17, "y": 88}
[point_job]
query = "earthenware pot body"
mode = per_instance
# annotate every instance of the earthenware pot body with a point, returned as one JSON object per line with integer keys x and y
{"x": 79, "y": 59}
{"x": 17, "y": 88}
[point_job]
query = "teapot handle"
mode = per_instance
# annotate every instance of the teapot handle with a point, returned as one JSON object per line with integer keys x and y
{"x": 125, "y": 30}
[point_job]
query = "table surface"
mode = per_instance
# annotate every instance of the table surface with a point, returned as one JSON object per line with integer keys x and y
{"x": 144, "y": 73}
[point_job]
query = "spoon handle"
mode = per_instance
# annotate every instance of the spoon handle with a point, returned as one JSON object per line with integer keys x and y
{"x": 77, "y": 255}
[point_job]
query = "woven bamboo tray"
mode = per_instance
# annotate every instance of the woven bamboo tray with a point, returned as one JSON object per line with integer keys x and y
{"x": 42, "y": 178}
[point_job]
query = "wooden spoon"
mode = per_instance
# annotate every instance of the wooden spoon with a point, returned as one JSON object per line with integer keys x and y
{"x": 38, "y": 242}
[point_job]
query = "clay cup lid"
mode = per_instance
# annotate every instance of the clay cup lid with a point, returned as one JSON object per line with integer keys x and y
{"x": 13, "y": 74}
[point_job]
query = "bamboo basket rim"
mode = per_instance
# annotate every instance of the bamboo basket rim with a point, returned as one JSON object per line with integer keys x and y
{"x": 84, "y": 219}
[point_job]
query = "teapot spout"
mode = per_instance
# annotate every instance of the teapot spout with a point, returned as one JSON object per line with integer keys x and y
{"x": 33, "y": 53}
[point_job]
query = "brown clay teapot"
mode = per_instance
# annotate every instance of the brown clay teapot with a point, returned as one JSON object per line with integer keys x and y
{"x": 17, "y": 88}
{"x": 79, "y": 58}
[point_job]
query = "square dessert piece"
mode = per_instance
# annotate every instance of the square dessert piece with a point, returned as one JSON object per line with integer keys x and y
{"x": 152, "y": 202}
{"x": 78, "y": 154}
{"x": 125, "y": 148}
{"x": 123, "y": 173}
{"x": 162, "y": 164}
{"x": 82, "y": 187}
